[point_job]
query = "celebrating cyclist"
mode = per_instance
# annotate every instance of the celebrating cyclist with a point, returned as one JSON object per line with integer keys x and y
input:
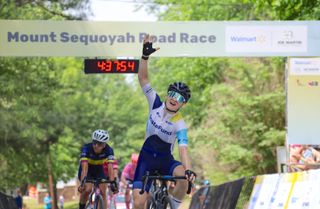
{"x": 164, "y": 126}
{"x": 127, "y": 176}
{"x": 92, "y": 158}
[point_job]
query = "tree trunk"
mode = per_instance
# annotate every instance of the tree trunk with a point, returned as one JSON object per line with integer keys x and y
{"x": 52, "y": 189}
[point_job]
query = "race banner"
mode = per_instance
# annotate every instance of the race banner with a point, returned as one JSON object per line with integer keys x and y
{"x": 175, "y": 39}
{"x": 301, "y": 192}
{"x": 303, "y": 100}
{"x": 264, "y": 192}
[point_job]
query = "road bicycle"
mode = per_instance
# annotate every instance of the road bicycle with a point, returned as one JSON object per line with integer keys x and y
{"x": 95, "y": 200}
{"x": 160, "y": 198}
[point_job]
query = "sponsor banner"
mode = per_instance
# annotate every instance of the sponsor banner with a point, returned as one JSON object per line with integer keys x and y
{"x": 175, "y": 39}
{"x": 304, "y": 66}
{"x": 300, "y": 193}
{"x": 255, "y": 192}
{"x": 266, "y": 39}
{"x": 283, "y": 191}
{"x": 312, "y": 194}
{"x": 264, "y": 191}
{"x": 303, "y": 101}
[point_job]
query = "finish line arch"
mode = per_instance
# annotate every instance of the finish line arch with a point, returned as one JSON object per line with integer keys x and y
{"x": 33, "y": 38}
{"x": 176, "y": 39}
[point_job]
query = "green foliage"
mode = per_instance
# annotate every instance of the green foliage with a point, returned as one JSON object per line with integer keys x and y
{"x": 237, "y": 109}
{"x": 30, "y": 116}
{"x": 236, "y": 114}
{"x": 44, "y": 10}
{"x": 238, "y": 10}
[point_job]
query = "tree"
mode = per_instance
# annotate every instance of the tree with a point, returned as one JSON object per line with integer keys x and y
{"x": 238, "y": 102}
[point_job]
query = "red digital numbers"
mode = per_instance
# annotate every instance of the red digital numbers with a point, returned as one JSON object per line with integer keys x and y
{"x": 111, "y": 66}
{"x": 131, "y": 65}
{"x": 105, "y": 65}
{"x": 121, "y": 66}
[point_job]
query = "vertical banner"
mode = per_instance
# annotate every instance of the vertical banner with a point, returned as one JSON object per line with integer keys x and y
{"x": 284, "y": 190}
{"x": 303, "y": 101}
{"x": 255, "y": 192}
{"x": 299, "y": 197}
{"x": 268, "y": 189}
{"x": 298, "y": 190}
{"x": 314, "y": 191}
{"x": 264, "y": 191}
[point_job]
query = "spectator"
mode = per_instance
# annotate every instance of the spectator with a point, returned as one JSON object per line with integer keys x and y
{"x": 61, "y": 201}
{"x": 47, "y": 201}
{"x": 303, "y": 157}
{"x": 19, "y": 200}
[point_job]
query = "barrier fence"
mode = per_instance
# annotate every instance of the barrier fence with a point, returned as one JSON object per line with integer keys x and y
{"x": 7, "y": 202}
{"x": 230, "y": 195}
{"x": 282, "y": 191}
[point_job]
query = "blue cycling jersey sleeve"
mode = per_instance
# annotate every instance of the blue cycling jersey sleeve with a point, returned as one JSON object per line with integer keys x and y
{"x": 182, "y": 137}
{"x": 109, "y": 153}
{"x": 84, "y": 152}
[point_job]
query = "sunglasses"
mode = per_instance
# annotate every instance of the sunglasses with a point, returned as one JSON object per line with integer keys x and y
{"x": 175, "y": 95}
{"x": 100, "y": 144}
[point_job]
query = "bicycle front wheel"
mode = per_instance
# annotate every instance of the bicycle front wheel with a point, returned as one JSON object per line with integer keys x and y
{"x": 151, "y": 204}
{"x": 89, "y": 206}
{"x": 98, "y": 204}
{"x": 167, "y": 203}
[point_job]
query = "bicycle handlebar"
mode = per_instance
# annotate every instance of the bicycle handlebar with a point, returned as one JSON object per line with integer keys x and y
{"x": 95, "y": 181}
{"x": 147, "y": 177}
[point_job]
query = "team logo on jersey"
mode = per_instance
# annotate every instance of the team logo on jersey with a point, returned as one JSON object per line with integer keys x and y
{"x": 159, "y": 126}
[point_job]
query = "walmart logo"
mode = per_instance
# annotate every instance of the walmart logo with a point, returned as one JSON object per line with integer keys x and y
{"x": 249, "y": 39}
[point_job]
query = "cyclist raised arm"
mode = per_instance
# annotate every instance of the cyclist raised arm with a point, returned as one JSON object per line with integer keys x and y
{"x": 164, "y": 125}
{"x": 92, "y": 158}
{"x": 143, "y": 67}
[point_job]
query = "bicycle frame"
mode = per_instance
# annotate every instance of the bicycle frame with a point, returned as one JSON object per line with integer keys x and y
{"x": 160, "y": 196}
{"x": 159, "y": 192}
{"x": 95, "y": 194}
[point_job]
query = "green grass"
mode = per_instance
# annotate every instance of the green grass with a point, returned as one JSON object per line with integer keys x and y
{"x": 33, "y": 204}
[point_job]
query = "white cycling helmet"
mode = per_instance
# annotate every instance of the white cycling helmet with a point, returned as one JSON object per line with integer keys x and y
{"x": 100, "y": 136}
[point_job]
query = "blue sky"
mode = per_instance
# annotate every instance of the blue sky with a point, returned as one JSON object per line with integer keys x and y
{"x": 113, "y": 10}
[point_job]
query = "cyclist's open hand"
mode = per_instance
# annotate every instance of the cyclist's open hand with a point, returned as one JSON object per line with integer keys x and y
{"x": 147, "y": 47}
{"x": 190, "y": 175}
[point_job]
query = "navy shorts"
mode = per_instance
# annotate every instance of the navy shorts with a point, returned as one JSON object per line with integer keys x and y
{"x": 94, "y": 172}
{"x": 164, "y": 164}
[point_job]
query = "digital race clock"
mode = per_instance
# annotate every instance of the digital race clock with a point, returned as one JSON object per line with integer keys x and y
{"x": 110, "y": 66}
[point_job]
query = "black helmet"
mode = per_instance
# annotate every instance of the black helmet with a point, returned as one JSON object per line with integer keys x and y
{"x": 181, "y": 88}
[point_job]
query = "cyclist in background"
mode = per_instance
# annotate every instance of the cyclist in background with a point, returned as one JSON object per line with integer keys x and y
{"x": 115, "y": 166}
{"x": 164, "y": 125}
{"x": 127, "y": 177}
{"x": 92, "y": 158}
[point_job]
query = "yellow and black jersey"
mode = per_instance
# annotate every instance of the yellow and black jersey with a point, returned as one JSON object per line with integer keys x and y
{"x": 93, "y": 159}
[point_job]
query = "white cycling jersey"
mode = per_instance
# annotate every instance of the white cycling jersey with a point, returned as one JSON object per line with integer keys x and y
{"x": 162, "y": 130}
